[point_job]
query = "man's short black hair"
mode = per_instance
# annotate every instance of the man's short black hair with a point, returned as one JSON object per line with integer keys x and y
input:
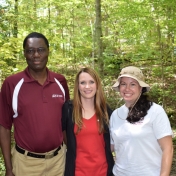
{"x": 35, "y": 35}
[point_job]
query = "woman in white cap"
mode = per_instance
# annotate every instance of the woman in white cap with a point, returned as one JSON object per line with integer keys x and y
{"x": 141, "y": 135}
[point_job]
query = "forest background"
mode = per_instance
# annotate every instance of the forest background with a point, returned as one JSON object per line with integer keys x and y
{"x": 105, "y": 35}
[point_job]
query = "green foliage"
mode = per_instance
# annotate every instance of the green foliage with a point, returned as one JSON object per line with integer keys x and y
{"x": 138, "y": 32}
{"x": 2, "y": 167}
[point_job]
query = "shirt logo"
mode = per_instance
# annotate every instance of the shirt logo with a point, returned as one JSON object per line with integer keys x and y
{"x": 56, "y": 96}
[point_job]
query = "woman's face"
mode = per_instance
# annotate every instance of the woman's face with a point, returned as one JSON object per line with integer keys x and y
{"x": 129, "y": 90}
{"x": 87, "y": 86}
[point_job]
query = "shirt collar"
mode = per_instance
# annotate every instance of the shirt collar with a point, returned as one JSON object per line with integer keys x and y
{"x": 29, "y": 78}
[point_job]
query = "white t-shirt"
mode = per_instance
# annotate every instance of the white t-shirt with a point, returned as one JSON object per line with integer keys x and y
{"x": 136, "y": 147}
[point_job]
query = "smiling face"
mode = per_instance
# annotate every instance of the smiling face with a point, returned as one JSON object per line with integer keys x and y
{"x": 36, "y": 53}
{"x": 87, "y": 86}
{"x": 129, "y": 90}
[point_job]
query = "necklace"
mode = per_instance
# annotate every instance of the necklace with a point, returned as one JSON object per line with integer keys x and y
{"x": 128, "y": 113}
{"x": 119, "y": 116}
{"x": 131, "y": 107}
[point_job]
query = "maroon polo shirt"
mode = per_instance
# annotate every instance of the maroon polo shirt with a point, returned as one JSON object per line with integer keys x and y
{"x": 35, "y": 110}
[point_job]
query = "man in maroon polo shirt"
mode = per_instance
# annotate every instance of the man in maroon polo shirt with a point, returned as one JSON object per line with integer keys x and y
{"x": 32, "y": 101}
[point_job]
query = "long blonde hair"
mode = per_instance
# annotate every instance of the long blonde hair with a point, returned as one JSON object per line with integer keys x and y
{"x": 99, "y": 101}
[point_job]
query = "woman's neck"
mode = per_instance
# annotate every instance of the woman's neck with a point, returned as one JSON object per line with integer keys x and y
{"x": 128, "y": 105}
{"x": 88, "y": 108}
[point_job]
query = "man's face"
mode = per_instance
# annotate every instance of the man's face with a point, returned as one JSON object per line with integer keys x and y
{"x": 36, "y": 53}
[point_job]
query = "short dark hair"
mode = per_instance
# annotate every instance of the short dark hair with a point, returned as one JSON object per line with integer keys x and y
{"x": 35, "y": 35}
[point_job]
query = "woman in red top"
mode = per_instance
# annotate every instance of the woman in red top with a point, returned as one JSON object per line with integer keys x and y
{"x": 86, "y": 124}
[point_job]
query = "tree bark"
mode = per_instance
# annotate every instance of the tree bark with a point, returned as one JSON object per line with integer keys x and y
{"x": 98, "y": 37}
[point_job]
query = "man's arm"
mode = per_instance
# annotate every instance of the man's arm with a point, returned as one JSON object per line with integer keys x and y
{"x": 5, "y": 140}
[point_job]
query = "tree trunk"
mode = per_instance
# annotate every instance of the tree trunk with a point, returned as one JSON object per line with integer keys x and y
{"x": 98, "y": 37}
{"x": 15, "y": 28}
